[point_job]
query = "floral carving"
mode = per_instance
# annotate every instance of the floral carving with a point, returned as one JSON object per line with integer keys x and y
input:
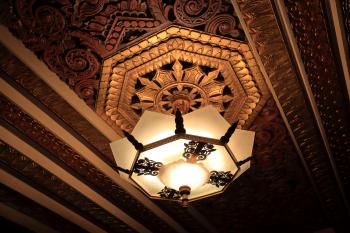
{"x": 223, "y": 24}
{"x": 185, "y": 67}
{"x": 73, "y": 37}
{"x": 172, "y": 82}
{"x": 195, "y": 12}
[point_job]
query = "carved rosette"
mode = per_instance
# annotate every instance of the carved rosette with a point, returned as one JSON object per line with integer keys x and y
{"x": 193, "y": 67}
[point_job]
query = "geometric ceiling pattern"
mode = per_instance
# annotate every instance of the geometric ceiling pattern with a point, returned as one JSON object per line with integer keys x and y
{"x": 177, "y": 64}
{"x": 277, "y": 67}
{"x": 73, "y": 39}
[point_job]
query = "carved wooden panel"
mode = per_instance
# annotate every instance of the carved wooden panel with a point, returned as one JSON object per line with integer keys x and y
{"x": 346, "y": 19}
{"x": 28, "y": 207}
{"x": 179, "y": 64}
{"x": 61, "y": 152}
{"x": 72, "y": 37}
{"x": 52, "y": 185}
{"x": 25, "y": 79}
{"x": 260, "y": 18}
{"x": 326, "y": 79}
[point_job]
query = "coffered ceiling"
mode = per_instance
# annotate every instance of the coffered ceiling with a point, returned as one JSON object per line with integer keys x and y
{"x": 74, "y": 74}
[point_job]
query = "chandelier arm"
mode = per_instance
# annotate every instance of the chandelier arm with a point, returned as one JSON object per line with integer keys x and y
{"x": 133, "y": 141}
{"x": 229, "y": 132}
{"x": 240, "y": 163}
{"x": 127, "y": 171}
{"x": 179, "y": 123}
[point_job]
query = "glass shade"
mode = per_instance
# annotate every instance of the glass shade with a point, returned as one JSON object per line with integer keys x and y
{"x": 218, "y": 160}
{"x": 175, "y": 171}
{"x": 182, "y": 173}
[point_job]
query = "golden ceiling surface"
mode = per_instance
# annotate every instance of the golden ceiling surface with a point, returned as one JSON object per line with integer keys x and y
{"x": 175, "y": 64}
{"x": 63, "y": 61}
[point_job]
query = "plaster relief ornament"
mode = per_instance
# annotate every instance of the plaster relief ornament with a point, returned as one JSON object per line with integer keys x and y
{"x": 181, "y": 67}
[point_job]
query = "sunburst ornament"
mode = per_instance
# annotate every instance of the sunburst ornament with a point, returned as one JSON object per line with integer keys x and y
{"x": 201, "y": 158}
{"x": 193, "y": 85}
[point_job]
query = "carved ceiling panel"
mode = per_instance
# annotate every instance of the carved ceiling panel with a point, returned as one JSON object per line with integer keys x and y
{"x": 346, "y": 18}
{"x": 325, "y": 77}
{"x": 73, "y": 37}
{"x": 178, "y": 66}
{"x": 124, "y": 57}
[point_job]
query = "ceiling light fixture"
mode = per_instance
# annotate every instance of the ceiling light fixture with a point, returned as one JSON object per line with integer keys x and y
{"x": 194, "y": 162}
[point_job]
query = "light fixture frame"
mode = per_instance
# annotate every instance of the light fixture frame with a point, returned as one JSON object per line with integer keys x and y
{"x": 220, "y": 178}
{"x": 187, "y": 137}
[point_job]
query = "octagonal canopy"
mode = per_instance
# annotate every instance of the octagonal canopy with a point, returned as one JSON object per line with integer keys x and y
{"x": 206, "y": 122}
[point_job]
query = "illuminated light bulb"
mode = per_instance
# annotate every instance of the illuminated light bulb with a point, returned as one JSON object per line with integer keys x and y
{"x": 181, "y": 173}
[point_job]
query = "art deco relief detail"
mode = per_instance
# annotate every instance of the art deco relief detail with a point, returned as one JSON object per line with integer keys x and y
{"x": 260, "y": 18}
{"x": 52, "y": 184}
{"x": 179, "y": 64}
{"x": 325, "y": 77}
{"x": 73, "y": 37}
{"x": 60, "y": 151}
{"x": 14, "y": 70}
{"x": 346, "y": 17}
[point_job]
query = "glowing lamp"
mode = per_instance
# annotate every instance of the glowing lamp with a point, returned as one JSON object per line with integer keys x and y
{"x": 201, "y": 158}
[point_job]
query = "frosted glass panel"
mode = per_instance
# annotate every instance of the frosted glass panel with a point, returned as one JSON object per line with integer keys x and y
{"x": 154, "y": 126}
{"x": 124, "y": 154}
{"x": 241, "y": 143}
{"x": 206, "y": 122}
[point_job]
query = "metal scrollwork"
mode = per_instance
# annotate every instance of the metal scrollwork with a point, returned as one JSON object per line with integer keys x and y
{"x": 200, "y": 149}
{"x": 169, "y": 193}
{"x": 220, "y": 178}
{"x": 147, "y": 167}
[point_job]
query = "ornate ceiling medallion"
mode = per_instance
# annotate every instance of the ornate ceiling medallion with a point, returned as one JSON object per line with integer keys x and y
{"x": 182, "y": 68}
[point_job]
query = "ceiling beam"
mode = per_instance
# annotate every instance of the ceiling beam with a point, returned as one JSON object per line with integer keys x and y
{"x": 259, "y": 21}
{"x": 68, "y": 178}
{"x": 274, "y": 95}
{"x": 51, "y": 79}
{"x": 286, "y": 27}
{"x": 28, "y": 191}
{"x": 341, "y": 40}
{"x": 88, "y": 154}
{"x": 24, "y": 220}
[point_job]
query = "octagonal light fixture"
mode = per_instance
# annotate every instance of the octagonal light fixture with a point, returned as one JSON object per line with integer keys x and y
{"x": 201, "y": 158}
